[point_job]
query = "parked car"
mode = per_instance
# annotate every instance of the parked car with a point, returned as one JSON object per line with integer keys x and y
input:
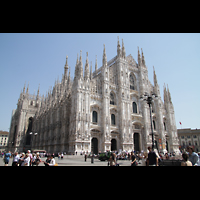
{"x": 104, "y": 156}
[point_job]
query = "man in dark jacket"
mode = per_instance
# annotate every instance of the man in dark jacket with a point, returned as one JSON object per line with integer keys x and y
{"x": 152, "y": 159}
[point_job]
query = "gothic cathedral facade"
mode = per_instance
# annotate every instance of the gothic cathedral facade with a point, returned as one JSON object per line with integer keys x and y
{"x": 99, "y": 111}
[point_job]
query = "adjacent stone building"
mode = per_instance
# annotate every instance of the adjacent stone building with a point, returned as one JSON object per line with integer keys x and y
{"x": 3, "y": 140}
{"x": 189, "y": 137}
{"x": 96, "y": 111}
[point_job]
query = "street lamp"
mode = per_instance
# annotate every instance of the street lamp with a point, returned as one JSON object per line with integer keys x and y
{"x": 149, "y": 100}
{"x": 35, "y": 134}
{"x": 32, "y": 133}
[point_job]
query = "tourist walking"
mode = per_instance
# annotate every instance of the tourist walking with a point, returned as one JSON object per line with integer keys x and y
{"x": 7, "y": 157}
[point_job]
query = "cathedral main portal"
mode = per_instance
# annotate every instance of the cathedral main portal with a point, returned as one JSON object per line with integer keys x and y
{"x": 94, "y": 146}
{"x": 136, "y": 142}
{"x": 113, "y": 145}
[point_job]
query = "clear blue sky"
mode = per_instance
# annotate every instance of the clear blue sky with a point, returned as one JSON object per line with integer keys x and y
{"x": 40, "y": 58}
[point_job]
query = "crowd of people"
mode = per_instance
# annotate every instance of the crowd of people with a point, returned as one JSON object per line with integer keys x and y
{"x": 28, "y": 159}
{"x": 150, "y": 158}
{"x": 153, "y": 157}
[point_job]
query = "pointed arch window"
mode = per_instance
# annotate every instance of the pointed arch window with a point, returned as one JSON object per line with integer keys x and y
{"x": 134, "y": 107}
{"x": 131, "y": 79}
{"x": 154, "y": 125}
{"x": 112, "y": 99}
{"x": 94, "y": 117}
{"x": 164, "y": 126}
{"x": 152, "y": 106}
{"x": 112, "y": 119}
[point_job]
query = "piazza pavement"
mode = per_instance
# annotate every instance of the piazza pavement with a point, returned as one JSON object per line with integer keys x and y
{"x": 76, "y": 160}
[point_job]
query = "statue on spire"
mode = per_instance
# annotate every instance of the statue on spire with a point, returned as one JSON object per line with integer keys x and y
{"x": 104, "y": 57}
{"x": 91, "y": 71}
{"x": 118, "y": 48}
{"x": 27, "y": 88}
{"x": 96, "y": 65}
{"x": 80, "y": 65}
{"x": 143, "y": 60}
{"x": 86, "y": 74}
{"x": 139, "y": 58}
{"x": 66, "y": 68}
{"x": 155, "y": 77}
{"x": 123, "y": 50}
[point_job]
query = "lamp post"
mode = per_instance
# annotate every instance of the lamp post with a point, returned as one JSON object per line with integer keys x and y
{"x": 35, "y": 134}
{"x": 149, "y": 100}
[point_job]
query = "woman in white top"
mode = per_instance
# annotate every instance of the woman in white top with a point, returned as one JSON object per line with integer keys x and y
{"x": 52, "y": 162}
{"x": 15, "y": 159}
{"x": 26, "y": 160}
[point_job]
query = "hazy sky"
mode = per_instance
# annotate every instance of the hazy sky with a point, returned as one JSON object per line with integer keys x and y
{"x": 39, "y": 58}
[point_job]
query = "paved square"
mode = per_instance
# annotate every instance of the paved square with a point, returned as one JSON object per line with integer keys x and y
{"x": 72, "y": 160}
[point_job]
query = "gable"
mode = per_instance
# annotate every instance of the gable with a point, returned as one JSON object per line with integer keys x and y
{"x": 131, "y": 61}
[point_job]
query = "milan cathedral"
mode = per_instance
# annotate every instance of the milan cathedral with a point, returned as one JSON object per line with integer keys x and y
{"x": 96, "y": 111}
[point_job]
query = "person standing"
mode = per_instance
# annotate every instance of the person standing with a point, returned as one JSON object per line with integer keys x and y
{"x": 30, "y": 156}
{"x": 21, "y": 159}
{"x": 199, "y": 158}
{"x": 112, "y": 159}
{"x": 133, "y": 158}
{"x": 7, "y": 157}
{"x": 37, "y": 160}
{"x": 186, "y": 161}
{"x": 26, "y": 160}
{"x": 52, "y": 162}
{"x": 152, "y": 159}
{"x": 48, "y": 160}
{"x": 33, "y": 159}
{"x": 193, "y": 157}
{"x": 15, "y": 159}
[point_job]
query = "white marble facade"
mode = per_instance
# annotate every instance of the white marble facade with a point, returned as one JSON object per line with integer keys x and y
{"x": 98, "y": 111}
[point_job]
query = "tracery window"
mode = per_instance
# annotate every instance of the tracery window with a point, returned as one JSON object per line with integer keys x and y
{"x": 131, "y": 79}
{"x": 112, "y": 99}
{"x": 164, "y": 126}
{"x": 94, "y": 117}
{"x": 134, "y": 107}
{"x": 112, "y": 119}
{"x": 152, "y": 106}
{"x": 154, "y": 125}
